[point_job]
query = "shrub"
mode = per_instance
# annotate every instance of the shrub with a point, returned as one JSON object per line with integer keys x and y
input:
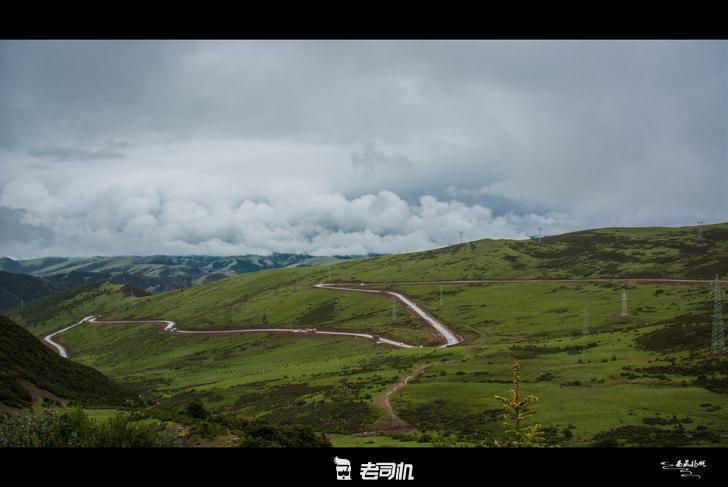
{"x": 196, "y": 409}
{"x": 262, "y": 435}
{"x": 71, "y": 427}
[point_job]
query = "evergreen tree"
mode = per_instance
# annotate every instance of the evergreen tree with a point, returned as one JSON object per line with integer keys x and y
{"x": 516, "y": 414}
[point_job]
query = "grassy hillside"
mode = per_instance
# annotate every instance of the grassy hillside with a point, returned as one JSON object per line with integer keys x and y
{"x": 644, "y": 380}
{"x": 62, "y": 308}
{"x": 16, "y": 288}
{"x": 24, "y": 358}
{"x": 608, "y": 252}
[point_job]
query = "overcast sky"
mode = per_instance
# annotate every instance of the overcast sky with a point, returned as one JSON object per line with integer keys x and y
{"x": 207, "y": 147}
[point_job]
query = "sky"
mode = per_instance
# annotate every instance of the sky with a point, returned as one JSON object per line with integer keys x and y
{"x": 352, "y": 147}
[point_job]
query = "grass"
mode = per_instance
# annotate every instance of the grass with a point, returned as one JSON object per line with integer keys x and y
{"x": 605, "y": 388}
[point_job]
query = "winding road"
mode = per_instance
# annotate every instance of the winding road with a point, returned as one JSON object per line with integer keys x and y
{"x": 449, "y": 337}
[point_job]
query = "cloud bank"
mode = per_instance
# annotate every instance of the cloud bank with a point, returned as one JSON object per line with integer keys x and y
{"x": 131, "y": 147}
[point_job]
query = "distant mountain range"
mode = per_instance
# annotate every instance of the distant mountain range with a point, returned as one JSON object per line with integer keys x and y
{"x": 23, "y": 280}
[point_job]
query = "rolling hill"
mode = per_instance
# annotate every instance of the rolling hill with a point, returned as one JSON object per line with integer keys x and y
{"x": 638, "y": 380}
{"x": 17, "y": 288}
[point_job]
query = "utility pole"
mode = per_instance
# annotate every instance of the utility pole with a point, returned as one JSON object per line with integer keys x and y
{"x": 624, "y": 312}
{"x": 585, "y": 328}
{"x": 441, "y": 295}
{"x": 717, "y": 342}
{"x": 700, "y": 230}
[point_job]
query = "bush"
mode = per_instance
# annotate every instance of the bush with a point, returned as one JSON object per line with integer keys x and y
{"x": 262, "y": 435}
{"x": 71, "y": 427}
{"x": 196, "y": 409}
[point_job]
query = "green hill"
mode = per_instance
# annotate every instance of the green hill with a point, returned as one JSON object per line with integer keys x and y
{"x": 24, "y": 359}
{"x": 62, "y": 308}
{"x": 641, "y": 380}
{"x": 18, "y": 288}
{"x": 602, "y": 253}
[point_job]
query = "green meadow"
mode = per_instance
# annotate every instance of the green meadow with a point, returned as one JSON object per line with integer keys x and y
{"x": 641, "y": 380}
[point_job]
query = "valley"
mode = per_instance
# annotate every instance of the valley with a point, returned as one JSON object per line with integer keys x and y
{"x": 644, "y": 378}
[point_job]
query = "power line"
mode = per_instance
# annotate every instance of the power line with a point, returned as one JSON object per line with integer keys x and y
{"x": 717, "y": 342}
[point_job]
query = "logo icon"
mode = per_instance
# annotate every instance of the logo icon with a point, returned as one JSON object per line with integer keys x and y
{"x": 343, "y": 468}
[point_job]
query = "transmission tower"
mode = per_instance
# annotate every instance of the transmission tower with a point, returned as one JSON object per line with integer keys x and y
{"x": 461, "y": 237}
{"x": 624, "y": 312}
{"x": 585, "y": 328}
{"x": 441, "y": 295}
{"x": 717, "y": 342}
{"x": 700, "y": 230}
{"x": 394, "y": 309}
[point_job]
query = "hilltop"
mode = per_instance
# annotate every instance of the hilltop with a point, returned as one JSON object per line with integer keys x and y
{"x": 651, "y": 252}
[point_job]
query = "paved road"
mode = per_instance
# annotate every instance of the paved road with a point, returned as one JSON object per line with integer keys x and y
{"x": 171, "y": 327}
{"x": 450, "y": 337}
{"x": 508, "y": 281}
{"x": 60, "y": 348}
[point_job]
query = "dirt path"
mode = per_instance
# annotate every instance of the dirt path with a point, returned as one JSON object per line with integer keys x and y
{"x": 394, "y": 422}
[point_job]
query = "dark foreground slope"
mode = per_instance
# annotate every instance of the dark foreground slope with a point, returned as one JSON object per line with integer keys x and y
{"x": 24, "y": 359}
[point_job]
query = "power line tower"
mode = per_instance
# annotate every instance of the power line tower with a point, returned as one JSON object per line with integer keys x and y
{"x": 394, "y": 308}
{"x": 700, "y": 230}
{"x": 441, "y": 295}
{"x": 585, "y": 327}
{"x": 461, "y": 237}
{"x": 624, "y": 313}
{"x": 717, "y": 342}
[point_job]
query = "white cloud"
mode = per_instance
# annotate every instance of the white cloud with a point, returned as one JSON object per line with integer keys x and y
{"x": 352, "y": 147}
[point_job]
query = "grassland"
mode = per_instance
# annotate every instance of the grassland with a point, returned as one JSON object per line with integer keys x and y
{"x": 641, "y": 381}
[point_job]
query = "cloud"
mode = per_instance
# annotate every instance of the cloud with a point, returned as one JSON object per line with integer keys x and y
{"x": 371, "y": 159}
{"x": 118, "y": 219}
{"x": 381, "y": 146}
